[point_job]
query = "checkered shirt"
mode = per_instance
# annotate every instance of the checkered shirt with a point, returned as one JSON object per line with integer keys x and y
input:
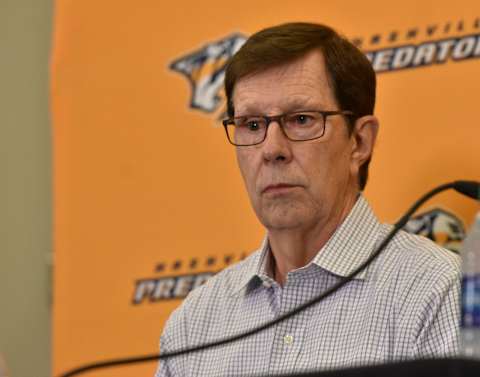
{"x": 404, "y": 305}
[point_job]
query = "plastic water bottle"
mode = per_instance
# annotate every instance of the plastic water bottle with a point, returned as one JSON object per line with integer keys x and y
{"x": 470, "y": 321}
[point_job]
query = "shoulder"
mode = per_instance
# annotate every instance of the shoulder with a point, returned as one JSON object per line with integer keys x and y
{"x": 424, "y": 255}
{"x": 417, "y": 269}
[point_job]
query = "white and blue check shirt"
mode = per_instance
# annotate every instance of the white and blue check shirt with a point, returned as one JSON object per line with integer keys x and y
{"x": 404, "y": 305}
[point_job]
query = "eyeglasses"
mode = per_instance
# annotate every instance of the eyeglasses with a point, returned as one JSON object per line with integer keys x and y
{"x": 297, "y": 126}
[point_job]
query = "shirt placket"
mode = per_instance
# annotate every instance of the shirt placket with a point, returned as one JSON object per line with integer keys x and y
{"x": 289, "y": 334}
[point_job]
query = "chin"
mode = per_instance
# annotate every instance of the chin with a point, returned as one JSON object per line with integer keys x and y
{"x": 285, "y": 218}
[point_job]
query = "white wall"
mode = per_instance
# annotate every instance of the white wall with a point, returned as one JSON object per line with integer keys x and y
{"x": 25, "y": 186}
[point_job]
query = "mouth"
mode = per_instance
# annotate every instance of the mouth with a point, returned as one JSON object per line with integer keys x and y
{"x": 278, "y": 188}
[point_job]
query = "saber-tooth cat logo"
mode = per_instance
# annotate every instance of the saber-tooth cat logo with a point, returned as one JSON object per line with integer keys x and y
{"x": 205, "y": 70}
{"x": 416, "y": 47}
{"x": 440, "y": 226}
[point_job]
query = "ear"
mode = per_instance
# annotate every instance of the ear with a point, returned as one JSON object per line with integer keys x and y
{"x": 363, "y": 138}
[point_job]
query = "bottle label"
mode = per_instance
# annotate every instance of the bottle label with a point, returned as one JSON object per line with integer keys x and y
{"x": 471, "y": 301}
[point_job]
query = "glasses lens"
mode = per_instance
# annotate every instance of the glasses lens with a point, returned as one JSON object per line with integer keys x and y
{"x": 247, "y": 130}
{"x": 304, "y": 125}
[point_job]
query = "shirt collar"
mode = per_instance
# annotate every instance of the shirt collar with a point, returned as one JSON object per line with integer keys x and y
{"x": 349, "y": 246}
{"x": 255, "y": 267}
{"x": 352, "y": 243}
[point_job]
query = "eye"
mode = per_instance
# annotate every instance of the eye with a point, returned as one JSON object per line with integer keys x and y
{"x": 252, "y": 125}
{"x": 301, "y": 119}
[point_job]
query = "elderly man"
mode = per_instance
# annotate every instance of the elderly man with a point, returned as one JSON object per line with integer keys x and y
{"x": 300, "y": 101}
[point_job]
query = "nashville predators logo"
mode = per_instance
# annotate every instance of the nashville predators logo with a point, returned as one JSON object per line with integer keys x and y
{"x": 205, "y": 70}
{"x": 440, "y": 226}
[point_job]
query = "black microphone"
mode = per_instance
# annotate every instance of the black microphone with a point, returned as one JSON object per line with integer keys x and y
{"x": 468, "y": 188}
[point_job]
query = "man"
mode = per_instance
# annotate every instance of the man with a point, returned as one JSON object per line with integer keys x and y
{"x": 300, "y": 101}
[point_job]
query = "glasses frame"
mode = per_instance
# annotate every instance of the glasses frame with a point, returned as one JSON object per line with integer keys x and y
{"x": 280, "y": 120}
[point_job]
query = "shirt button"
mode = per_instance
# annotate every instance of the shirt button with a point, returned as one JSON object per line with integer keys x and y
{"x": 288, "y": 339}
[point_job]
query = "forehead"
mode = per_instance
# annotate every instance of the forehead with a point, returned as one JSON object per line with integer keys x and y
{"x": 302, "y": 84}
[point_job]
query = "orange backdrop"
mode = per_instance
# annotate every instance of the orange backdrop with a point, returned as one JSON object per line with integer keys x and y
{"x": 148, "y": 200}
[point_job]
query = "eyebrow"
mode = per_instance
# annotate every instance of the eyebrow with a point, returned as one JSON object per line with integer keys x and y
{"x": 298, "y": 104}
{"x": 290, "y": 108}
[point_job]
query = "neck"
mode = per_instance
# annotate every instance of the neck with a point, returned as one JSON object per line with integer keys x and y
{"x": 294, "y": 248}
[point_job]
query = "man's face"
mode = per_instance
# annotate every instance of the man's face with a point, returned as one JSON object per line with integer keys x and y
{"x": 295, "y": 184}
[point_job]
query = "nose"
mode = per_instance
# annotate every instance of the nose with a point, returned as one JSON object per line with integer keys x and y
{"x": 276, "y": 147}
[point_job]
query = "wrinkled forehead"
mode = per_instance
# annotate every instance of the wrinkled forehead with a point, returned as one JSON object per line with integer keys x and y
{"x": 301, "y": 84}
